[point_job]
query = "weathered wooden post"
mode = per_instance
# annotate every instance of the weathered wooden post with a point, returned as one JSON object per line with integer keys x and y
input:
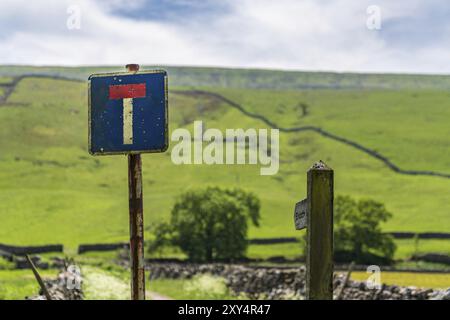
{"x": 38, "y": 278}
{"x": 315, "y": 213}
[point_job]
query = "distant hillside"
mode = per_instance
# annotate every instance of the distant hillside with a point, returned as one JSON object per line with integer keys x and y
{"x": 388, "y": 145}
{"x": 251, "y": 78}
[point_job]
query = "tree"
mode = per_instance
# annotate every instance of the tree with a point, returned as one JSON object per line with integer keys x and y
{"x": 210, "y": 224}
{"x": 357, "y": 228}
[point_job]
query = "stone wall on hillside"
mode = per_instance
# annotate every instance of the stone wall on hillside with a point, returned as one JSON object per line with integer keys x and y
{"x": 66, "y": 286}
{"x": 287, "y": 283}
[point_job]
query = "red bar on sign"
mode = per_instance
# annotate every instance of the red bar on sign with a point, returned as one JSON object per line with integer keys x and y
{"x": 123, "y": 91}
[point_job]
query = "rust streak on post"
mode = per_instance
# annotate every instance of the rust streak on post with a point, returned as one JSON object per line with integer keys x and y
{"x": 132, "y": 67}
{"x": 136, "y": 227}
{"x": 136, "y": 220}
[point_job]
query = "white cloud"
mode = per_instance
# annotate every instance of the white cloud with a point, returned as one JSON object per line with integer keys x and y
{"x": 286, "y": 34}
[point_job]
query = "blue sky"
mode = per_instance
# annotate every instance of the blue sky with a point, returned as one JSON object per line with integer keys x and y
{"x": 326, "y": 35}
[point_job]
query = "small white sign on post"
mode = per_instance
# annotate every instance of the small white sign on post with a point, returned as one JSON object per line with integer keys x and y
{"x": 301, "y": 214}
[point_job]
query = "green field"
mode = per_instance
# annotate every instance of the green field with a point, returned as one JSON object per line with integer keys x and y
{"x": 53, "y": 191}
{"x": 100, "y": 284}
{"x": 421, "y": 280}
{"x": 18, "y": 284}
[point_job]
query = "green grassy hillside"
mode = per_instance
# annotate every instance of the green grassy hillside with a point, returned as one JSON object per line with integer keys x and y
{"x": 256, "y": 78}
{"x": 52, "y": 190}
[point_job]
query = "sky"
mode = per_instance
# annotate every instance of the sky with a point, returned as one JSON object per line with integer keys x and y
{"x": 401, "y": 36}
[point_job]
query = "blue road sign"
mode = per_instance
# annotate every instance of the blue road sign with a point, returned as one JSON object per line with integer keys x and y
{"x": 128, "y": 112}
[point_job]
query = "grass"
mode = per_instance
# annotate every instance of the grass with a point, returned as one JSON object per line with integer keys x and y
{"x": 6, "y": 265}
{"x": 201, "y": 287}
{"x": 287, "y": 250}
{"x": 105, "y": 280}
{"x": 408, "y": 247}
{"x": 99, "y": 284}
{"x": 5, "y": 80}
{"x": 422, "y": 265}
{"x": 172, "y": 288}
{"x": 405, "y": 249}
{"x": 52, "y": 191}
{"x": 18, "y": 284}
{"x": 113, "y": 284}
{"x": 424, "y": 280}
{"x": 384, "y": 120}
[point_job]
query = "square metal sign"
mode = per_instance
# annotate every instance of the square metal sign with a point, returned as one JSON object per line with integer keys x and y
{"x": 128, "y": 112}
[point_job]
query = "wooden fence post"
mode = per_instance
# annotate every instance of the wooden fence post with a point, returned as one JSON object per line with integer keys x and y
{"x": 319, "y": 260}
{"x": 315, "y": 213}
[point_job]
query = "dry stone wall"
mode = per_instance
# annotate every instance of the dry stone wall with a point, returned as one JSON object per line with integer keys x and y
{"x": 287, "y": 283}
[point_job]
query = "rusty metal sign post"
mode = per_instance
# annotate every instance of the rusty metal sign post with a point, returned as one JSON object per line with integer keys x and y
{"x": 128, "y": 115}
{"x": 136, "y": 227}
{"x": 315, "y": 213}
{"x": 136, "y": 220}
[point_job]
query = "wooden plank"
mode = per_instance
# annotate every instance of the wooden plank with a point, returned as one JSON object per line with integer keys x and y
{"x": 38, "y": 278}
{"x": 319, "y": 274}
{"x": 340, "y": 293}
